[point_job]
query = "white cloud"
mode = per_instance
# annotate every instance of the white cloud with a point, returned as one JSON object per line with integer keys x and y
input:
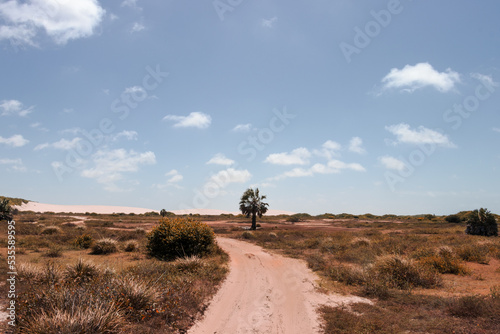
{"x": 14, "y": 164}
{"x": 111, "y": 164}
{"x": 62, "y": 144}
{"x": 392, "y": 163}
{"x": 230, "y": 175}
{"x": 269, "y": 23}
{"x": 14, "y": 141}
{"x": 60, "y": 20}
{"x": 130, "y": 3}
{"x": 496, "y": 129}
{"x": 299, "y": 156}
{"x": 328, "y": 150}
{"x": 420, "y": 136}
{"x": 355, "y": 145}
{"x": 485, "y": 79}
{"x": 10, "y": 107}
{"x": 68, "y": 110}
{"x": 337, "y": 165}
{"x": 195, "y": 119}
{"x": 220, "y": 159}
{"x": 129, "y": 135}
{"x": 411, "y": 78}
{"x": 332, "y": 167}
{"x": 174, "y": 177}
{"x": 137, "y": 27}
{"x": 242, "y": 127}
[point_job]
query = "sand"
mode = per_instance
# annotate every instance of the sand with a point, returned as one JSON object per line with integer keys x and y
{"x": 102, "y": 209}
{"x": 266, "y": 293}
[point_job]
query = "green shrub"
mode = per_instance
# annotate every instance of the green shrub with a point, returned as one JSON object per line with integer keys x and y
{"x": 445, "y": 262}
{"x": 180, "y": 237}
{"x": 84, "y": 241}
{"x": 453, "y": 219}
{"x": 105, "y": 246}
{"x": 482, "y": 222}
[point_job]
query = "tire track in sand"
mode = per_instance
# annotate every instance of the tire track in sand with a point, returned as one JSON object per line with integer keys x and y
{"x": 265, "y": 293}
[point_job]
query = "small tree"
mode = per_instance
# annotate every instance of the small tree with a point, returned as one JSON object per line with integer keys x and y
{"x": 482, "y": 222}
{"x": 251, "y": 204}
{"x": 163, "y": 212}
{"x": 5, "y": 210}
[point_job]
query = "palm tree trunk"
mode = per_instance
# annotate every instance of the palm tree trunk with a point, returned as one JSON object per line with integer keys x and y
{"x": 254, "y": 221}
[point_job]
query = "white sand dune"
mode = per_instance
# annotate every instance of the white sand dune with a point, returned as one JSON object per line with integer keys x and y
{"x": 103, "y": 209}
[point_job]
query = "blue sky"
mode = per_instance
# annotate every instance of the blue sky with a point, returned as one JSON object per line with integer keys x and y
{"x": 326, "y": 106}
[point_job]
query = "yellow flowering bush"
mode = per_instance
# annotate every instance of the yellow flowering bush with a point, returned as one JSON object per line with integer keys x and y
{"x": 180, "y": 237}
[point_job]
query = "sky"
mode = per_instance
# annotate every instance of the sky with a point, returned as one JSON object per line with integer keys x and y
{"x": 382, "y": 107}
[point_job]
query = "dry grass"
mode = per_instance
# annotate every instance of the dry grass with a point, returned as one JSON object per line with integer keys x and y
{"x": 123, "y": 292}
{"x": 405, "y": 267}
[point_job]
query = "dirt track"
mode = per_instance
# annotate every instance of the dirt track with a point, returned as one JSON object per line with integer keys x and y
{"x": 265, "y": 293}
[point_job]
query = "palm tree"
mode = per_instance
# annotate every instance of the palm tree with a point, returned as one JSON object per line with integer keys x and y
{"x": 5, "y": 210}
{"x": 251, "y": 203}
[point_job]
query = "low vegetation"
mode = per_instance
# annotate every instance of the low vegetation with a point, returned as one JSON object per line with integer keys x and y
{"x": 63, "y": 287}
{"x": 180, "y": 237}
{"x": 406, "y": 265}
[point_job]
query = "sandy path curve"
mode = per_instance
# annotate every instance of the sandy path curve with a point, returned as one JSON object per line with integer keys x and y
{"x": 265, "y": 293}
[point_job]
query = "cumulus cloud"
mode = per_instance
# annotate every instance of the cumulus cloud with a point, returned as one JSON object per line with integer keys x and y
{"x": 411, "y": 78}
{"x": 62, "y": 144}
{"x": 220, "y": 159}
{"x": 14, "y": 141}
{"x": 328, "y": 150}
{"x": 299, "y": 156}
{"x": 356, "y": 145}
{"x": 195, "y": 119}
{"x": 230, "y": 175}
{"x": 14, "y": 107}
{"x": 137, "y": 27}
{"x": 13, "y": 164}
{"x": 242, "y": 127}
{"x": 421, "y": 135}
{"x": 128, "y": 135}
{"x": 331, "y": 167}
{"x": 173, "y": 178}
{"x": 110, "y": 165}
{"x": 60, "y": 20}
{"x": 130, "y": 3}
{"x": 392, "y": 163}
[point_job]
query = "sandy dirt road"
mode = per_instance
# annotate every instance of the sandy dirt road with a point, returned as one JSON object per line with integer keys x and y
{"x": 265, "y": 293}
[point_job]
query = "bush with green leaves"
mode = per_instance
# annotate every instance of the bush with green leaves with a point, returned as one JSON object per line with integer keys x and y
{"x": 482, "y": 222}
{"x": 84, "y": 241}
{"x": 180, "y": 237}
